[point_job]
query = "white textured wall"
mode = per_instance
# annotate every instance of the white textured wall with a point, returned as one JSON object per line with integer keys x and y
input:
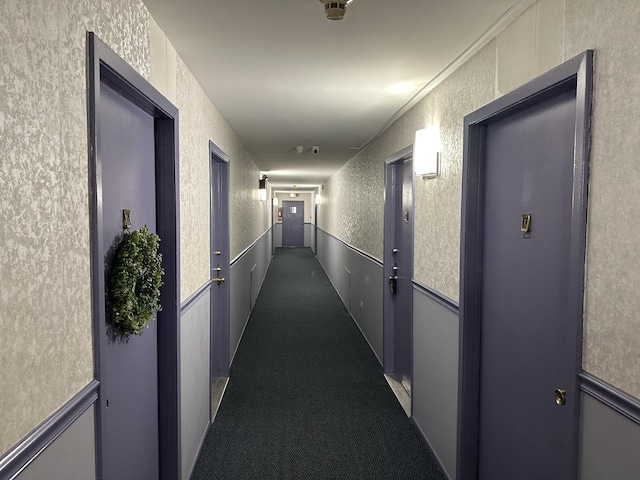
{"x": 353, "y": 202}
{"x": 358, "y": 215}
{"x": 612, "y": 322}
{"x": 357, "y": 218}
{"x": 46, "y": 348}
{"x": 438, "y": 200}
{"x": 199, "y": 123}
{"x": 249, "y": 218}
{"x": 546, "y": 34}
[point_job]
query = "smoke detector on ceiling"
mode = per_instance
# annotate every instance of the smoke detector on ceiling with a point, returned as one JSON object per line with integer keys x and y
{"x": 335, "y": 10}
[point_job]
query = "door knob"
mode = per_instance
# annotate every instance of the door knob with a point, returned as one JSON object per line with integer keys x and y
{"x": 560, "y": 396}
{"x": 219, "y": 280}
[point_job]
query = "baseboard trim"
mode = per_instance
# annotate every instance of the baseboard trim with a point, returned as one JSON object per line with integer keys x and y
{"x": 251, "y": 307}
{"x": 235, "y": 350}
{"x": 612, "y": 396}
{"x": 360, "y": 330}
{"x": 199, "y": 451}
{"x": 344, "y": 303}
{"x": 19, "y": 457}
{"x": 415, "y": 424}
{"x": 374, "y": 261}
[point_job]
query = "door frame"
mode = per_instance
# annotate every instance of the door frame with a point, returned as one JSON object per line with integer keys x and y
{"x": 388, "y": 326}
{"x": 577, "y": 75}
{"x": 315, "y": 228}
{"x": 219, "y": 209}
{"x": 105, "y": 66}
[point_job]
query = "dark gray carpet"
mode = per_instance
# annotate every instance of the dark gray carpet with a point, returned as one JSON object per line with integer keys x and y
{"x": 307, "y": 398}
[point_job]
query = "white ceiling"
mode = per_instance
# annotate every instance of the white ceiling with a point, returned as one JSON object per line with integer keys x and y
{"x": 283, "y": 75}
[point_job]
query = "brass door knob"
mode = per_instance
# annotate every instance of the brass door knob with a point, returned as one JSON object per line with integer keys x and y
{"x": 560, "y": 396}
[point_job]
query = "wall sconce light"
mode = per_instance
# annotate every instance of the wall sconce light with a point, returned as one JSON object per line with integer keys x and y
{"x": 318, "y": 199}
{"x": 262, "y": 189}
{"x": 275, "y": 201}
{"x": 426, "y": 154}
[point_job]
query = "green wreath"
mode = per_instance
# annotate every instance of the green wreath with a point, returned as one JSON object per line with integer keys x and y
{"x": 135, "y": 281}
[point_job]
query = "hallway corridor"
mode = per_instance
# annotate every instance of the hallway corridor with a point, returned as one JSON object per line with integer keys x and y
{"x": 307, "y": 398}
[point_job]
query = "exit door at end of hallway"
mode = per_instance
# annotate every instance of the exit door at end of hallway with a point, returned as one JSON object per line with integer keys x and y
{"x": 292, "y": 223}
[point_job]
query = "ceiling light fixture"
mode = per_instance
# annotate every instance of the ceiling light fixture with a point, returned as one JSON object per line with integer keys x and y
{"x": 335, "y": 10}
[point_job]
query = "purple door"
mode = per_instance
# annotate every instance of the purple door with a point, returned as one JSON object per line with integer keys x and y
{"x": 220, "y": 268}
{"x": 292, "y": 223}
{"x": 402, "y": 269}
{"x": 526, "y": 358}
{"x": 128, "y": 369}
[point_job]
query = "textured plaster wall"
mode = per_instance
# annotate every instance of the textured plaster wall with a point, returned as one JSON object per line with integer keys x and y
{"x": 359, "y": 185}
{"x": 194, "y": 181}
{"x": 612, "y": 323}
{"x": 249, "y": 218}
{"x": 438, "y": 201}
{"x": 45, "y": 299}
{"x": 358, "y": 217}
{"x": 353, "y": 202}
{"x": 46, "y": 346}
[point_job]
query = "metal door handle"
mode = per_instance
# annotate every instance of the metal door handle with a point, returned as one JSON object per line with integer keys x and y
{"x": 393, "y": 283}
{"x": 560, "y": 396}
{"x": 219, "y": 280}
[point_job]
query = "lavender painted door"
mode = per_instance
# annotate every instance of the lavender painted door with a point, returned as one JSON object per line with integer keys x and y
{"x": 220, "y": 258}
{"x": 128, "y": 381}
{"x": 525, "y": 349}
{"x": 292, "y": 223}
{"x": 402, "y": 268}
